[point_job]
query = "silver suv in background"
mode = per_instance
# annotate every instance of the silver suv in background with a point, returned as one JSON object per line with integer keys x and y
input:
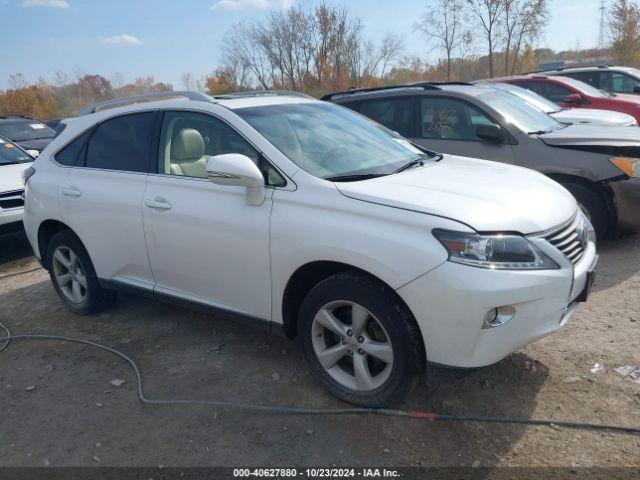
{"x": 599, "y": 165}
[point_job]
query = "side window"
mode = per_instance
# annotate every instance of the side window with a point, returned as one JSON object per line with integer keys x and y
{"x": 587, "y": 77}
{"x": 122, "y": 143}
{"x": 554, "y": 92}
{"x": 449, "y": 119}
{"x": 69, "y": 154}
{"x": 188, "y": 140}
{"x": 617, "y": 82}
{"x": 395, "y": 114}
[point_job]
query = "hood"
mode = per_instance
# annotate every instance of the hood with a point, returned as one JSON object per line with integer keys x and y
{"x": 38, "y": 144}
{"x": 592, "y": 116}
{"x": 488, "y": 196}
{"x": 11, "y": 177}
{"x": 585, "y": 135}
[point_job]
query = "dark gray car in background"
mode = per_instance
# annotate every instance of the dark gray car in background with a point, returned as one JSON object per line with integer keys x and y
{"x": 599, "y": 165}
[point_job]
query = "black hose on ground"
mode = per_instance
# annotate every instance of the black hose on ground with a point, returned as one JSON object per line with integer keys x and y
{"x": 295, "y": 410}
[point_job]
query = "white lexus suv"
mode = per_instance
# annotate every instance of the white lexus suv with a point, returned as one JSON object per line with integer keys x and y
{"x": 311, "y": 220}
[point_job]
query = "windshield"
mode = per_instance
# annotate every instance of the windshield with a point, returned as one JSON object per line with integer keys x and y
{"x": 585, "y": 88}
{"x": 9, "y": 153}
{"x": 520, "y": 113}
{"x": 538, "y": 101}
{"x": 329, "y": 141}
{"x": 22, "y": 130}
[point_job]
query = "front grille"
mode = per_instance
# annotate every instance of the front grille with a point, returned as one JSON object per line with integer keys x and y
{"x": 9, "y": 200}
{"x": 570, "y": 239}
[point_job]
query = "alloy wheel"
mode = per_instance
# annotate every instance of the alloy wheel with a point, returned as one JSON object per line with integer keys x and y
{"x": 352, "y": 345}
{"x": 69, "y": 274}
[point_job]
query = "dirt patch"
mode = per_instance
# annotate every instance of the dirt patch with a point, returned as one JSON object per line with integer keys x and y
{"x": 60, "y": 406}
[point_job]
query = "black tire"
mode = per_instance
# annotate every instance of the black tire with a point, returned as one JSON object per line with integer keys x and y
{"x": 594, "y": 207}
{"x": 95, "y": 296}
{"x": 401, "y": 329}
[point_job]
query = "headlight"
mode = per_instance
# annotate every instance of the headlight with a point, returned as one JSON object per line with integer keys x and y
{"x": 629, "y": 165}
{"x": 506, "y": 252}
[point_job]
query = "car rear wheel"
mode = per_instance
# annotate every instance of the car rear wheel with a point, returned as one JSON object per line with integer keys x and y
{"x": 592, "y": 206}
{"x": 73, "y": 275}
{"x": 360, "y": 340}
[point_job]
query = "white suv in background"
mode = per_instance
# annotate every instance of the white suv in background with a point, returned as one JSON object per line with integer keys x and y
{"x": 309, "y": 219}
{"x": 13, "y": 162}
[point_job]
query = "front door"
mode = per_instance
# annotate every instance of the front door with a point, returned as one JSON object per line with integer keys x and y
{"x": 448, "y": 125}
{"x": 205, "y": 243}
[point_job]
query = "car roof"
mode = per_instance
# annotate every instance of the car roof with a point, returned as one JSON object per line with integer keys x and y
{"x": 422, "y": 88}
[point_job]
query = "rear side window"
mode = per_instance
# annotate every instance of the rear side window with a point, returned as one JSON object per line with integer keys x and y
{"x": 69, "y": 154}
{"x": 587, "y": 77}
{"x": 395, "y": 114}
{"x": 122, "y": 143}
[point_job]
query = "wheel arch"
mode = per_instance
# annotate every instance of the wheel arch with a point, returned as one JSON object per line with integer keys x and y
{"x": 308, "y": 276}
{"x": 46, "y": 231}
{"x": 604, "y": 191}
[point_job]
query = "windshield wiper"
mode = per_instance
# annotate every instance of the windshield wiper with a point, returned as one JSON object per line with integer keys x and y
{"x": 413, "y": 163}
{"x": 354, "y": 177}
{"x": 539, "y": 132}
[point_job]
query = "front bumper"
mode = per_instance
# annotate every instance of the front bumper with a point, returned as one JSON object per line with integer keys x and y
{"x": 450, "y": 303}
{"x": 627, "y": 196}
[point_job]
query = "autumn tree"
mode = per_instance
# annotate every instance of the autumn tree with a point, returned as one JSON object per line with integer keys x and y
{"x": 487, "y": 14}
{"x": 624, "y": 31}
{"x": 442, "y": 24}
{"x": 522, "y": 23}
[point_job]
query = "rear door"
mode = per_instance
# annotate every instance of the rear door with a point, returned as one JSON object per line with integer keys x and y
{"x": 397, "y": 114}
{"x": 448, "y": 124}
{"x": 102, "y": 197}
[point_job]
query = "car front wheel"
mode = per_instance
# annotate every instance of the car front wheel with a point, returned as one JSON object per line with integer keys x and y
{"x": 360, "y": 340}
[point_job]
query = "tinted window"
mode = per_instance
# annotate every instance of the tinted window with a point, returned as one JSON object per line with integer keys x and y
{"x": 122, "y": 143}
{"x": 395, "y": 114}
{"x": 587, "y": 77}
{"x": 449, "y": 119}
{"x": 189, "y": 140}
{"x": 617, "y": 82}
{"x": 69, "y": 154}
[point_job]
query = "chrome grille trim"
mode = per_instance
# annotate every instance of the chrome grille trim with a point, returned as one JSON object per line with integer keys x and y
{"x": 569, "y": 238}
{"x": 12, "y": 200}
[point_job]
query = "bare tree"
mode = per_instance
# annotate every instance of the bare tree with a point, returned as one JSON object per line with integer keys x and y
{"x": 523, "y": 21}
{"x": 624, "y": 31}
{"x": 487, "y": 13}
{"x": 17, "y": 81}
{"x": 442, "y": 23}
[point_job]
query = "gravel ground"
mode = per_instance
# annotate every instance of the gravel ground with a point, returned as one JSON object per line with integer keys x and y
{"x": 59, "y": 406}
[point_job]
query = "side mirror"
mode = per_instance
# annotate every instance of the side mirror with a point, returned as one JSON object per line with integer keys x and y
{"x": 33, "y": 153}
{"x": 491, "y": 133}
{"x": 636, "y": 88}
{"x": 573, "y": 98}
{"x": 234, "y": 169}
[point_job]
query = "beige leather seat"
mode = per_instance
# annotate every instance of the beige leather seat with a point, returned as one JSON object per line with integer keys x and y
{"x": 187, "y": 154}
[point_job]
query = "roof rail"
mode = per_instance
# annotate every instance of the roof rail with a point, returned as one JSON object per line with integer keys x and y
{"x": 16, "y": 116}
{"x": 143, "y": 98}
{"x": 260, "y": 93}
{"x": 354, "y": 91}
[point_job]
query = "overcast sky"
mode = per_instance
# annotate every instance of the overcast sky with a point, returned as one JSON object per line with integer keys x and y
{"x": 165, "y": 38}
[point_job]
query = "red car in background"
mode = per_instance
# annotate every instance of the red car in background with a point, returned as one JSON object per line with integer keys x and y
{"x": 569, "y": 92}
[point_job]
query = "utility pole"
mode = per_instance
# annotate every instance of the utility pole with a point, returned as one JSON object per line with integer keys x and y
{"x": 601, "y": 33}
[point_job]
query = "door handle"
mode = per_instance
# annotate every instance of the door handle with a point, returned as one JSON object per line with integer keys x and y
{"x": 158, "y": 204}
{"x": 71, "y": 191}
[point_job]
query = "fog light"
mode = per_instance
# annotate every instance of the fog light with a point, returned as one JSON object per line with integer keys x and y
{"x": 498, "y": 316}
